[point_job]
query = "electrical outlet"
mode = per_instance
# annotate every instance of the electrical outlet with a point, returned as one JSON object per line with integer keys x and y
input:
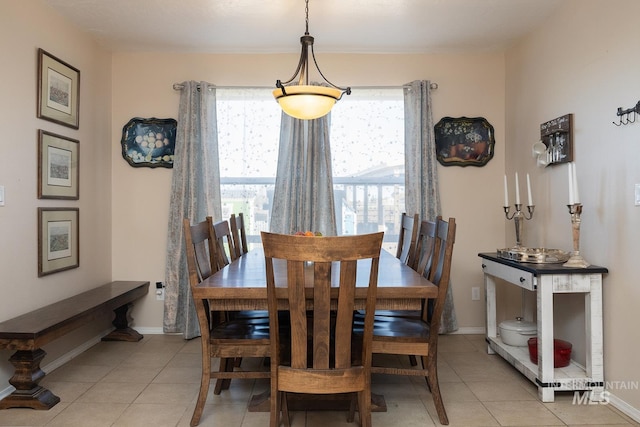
{"x": 475, "y": 293}
{"x": 159, "y": 291}
{"x": 637, "y": 194}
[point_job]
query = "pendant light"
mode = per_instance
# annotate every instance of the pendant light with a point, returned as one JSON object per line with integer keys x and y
{"x": 302, "y": 100}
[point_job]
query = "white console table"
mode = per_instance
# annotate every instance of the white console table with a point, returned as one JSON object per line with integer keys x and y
{"x": 546, "y": 280}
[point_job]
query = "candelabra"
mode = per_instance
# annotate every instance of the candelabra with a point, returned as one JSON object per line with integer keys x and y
{"x": 576, "y": 260}
{"x": 518, "y": 218}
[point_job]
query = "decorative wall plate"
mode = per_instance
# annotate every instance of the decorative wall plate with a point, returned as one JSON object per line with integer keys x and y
{"x": 149, "y": 142}
{"x": 464, "y": 141}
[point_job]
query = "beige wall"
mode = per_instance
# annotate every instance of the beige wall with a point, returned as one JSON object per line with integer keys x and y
{"x": 581, "y": 62}
{"x": 469, "y": 85}
{"x": 25, "y": 27}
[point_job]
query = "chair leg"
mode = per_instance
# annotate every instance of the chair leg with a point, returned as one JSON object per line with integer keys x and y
{"x": 226, "y": 365}
{"x": 205, "y": 380}
{"x": 274, "y": 408}
{"x": 285, "y": 410}
{"x": 434, "y": 386}
{"x": 364, "y": 407}
{"x": 352, "y": 408}
{"x": 413, "y": 360}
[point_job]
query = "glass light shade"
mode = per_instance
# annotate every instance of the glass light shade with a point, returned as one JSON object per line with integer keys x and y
{"x": 307, "y": 102}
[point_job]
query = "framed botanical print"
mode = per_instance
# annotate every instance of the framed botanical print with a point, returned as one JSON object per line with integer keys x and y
{"x": 58, "y": 91}
{"x": 58, "y": 240}
{"x": 58, "y": 166}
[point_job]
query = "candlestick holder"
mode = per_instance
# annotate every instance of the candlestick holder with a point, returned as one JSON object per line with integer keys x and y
{"x": 576, "y": 260}
{"x": 518, "y": 218}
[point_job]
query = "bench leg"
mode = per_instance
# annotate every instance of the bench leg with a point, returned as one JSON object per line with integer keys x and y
{"x": 122, "y": 332}
{"x": 25, "y": 379}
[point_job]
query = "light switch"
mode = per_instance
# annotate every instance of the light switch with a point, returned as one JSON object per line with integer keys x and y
{"x": 637, "y": 198}
{"x": 1, "y": 195}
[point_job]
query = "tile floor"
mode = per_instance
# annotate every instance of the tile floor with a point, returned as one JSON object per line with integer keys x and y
{"x": 155, "y": 383}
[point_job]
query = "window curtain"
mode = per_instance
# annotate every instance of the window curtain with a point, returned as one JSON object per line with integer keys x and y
{"x": 195, "y": 193}
{"x": 422, "y": 194}
{"x": 303, "y": 195}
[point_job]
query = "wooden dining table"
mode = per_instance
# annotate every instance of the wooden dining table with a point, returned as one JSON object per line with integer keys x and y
{"x": 241, "y": 285}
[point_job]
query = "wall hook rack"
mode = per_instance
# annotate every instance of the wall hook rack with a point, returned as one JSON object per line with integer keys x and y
{"x": 628, "y": 113}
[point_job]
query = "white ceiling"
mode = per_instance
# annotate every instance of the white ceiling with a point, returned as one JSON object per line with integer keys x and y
{"x": 275, "y": 26}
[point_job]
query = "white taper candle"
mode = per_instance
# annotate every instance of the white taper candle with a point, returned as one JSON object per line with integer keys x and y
{"x": 570, "y": 172}
{"x": 506, "y": 192}
{"x": 517, "y": 190}
{"x": 530, "y": 199}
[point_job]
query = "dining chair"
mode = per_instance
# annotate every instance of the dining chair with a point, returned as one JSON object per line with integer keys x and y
{"x": 221, "y": 337}
{"x": 419, "y": 337}
{"x": 239, "y": 234}
{"x": 407, "y": 238}
{"x": 320, "y": 359}
{"x": 225, "y": 249}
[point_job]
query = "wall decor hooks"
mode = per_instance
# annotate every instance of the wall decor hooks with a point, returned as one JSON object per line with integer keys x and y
{"x": 628, "y": 113}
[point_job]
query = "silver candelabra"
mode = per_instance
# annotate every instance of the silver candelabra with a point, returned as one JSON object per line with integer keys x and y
{"x": 576, "y": 260}
{"x": 518, "y": 217}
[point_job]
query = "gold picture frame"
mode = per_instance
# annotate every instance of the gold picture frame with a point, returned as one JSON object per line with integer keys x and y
{"x": 58, "y": 240}
{"x": 58, "y": 91}
{"x": 58, "y": 166}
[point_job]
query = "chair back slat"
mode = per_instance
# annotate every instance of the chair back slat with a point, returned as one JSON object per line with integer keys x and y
{"x": 239, "y": 234}
{"x": 407, "y": 237}
{"x": 224, "y": 243}
{"x": 425, "y": 246}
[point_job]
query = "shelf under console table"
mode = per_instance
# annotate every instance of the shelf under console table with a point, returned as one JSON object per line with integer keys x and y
{"x": 546, "y": 280}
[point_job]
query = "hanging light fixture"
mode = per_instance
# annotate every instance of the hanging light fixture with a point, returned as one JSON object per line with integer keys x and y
{"x": 302, "y": 100}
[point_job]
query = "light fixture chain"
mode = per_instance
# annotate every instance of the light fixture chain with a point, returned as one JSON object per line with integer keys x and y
{"x": 306, "y": 17}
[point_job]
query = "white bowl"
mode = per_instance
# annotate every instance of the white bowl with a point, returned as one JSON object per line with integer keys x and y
{"x": 517, "y": 332}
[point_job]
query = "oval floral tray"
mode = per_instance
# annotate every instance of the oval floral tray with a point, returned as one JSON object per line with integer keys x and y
{"x": 149, "y": 142}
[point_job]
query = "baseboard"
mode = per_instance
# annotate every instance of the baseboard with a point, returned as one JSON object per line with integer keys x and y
{"x": 624, "y": 407}
{"x": 150, "y": 331}
{"x": 470, "y": 330}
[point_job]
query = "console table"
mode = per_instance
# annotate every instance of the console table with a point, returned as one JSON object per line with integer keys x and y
{"x": 546, "y": 280}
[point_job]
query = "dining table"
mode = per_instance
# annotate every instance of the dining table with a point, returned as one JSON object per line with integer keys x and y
{"x": 241, "y": 285}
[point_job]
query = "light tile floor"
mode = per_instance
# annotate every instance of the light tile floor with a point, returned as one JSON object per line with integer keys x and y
{"x": 155, "y": 383}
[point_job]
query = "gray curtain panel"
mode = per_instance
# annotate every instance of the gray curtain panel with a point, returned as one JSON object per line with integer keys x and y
{"x": 422, "y": 194}
{"x": 195, "y": 193}
{"x": 303, "y": 196}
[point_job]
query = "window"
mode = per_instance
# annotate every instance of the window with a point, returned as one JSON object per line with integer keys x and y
{"x": 367, "y": 148}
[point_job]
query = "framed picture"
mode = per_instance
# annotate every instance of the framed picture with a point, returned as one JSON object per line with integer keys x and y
{"x": 58, "y": 90}
{"x": 149, "y": 142}
{"x": 464, "y": 141}
{"x": 58, "y": 166}
{"x": 57, "y": 240}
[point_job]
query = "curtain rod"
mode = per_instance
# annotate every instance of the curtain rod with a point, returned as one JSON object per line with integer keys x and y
{"x": 180, "y": 86}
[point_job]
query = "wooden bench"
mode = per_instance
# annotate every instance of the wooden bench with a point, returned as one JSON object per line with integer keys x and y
{"x": 29, "y": 332}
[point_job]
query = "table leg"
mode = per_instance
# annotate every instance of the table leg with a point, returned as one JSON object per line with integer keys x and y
{"x": 490, "y": 295}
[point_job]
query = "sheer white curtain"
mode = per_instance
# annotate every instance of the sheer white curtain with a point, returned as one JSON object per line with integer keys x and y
{"x": 195, "y": 193}
{"x": 422, "y": 193}
{"x": 303, "y": 197}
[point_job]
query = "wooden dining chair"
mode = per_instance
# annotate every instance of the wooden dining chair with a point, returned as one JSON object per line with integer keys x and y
{"x": 407, "y": 238}
{"x": 320, "y": 359}
{"x": 419, "y": 337}
{"x": 239, "y": 234}
{"x": 221, "y": 337}
{"x": 225, "y": 249}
